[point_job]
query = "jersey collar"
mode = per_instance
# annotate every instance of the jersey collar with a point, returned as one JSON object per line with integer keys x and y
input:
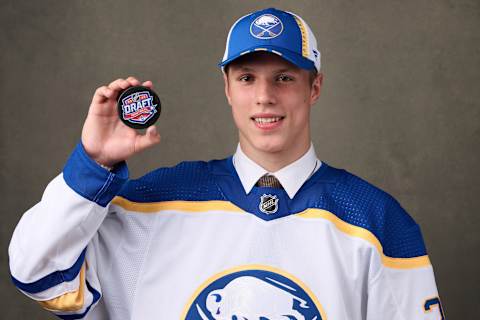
{"x": 292, "y": 176}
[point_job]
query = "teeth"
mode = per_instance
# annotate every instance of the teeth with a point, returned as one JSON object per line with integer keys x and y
{"x": 267, "y": 120}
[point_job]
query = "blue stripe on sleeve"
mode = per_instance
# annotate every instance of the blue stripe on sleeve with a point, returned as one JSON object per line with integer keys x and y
{"x": 52, "y": 279}
{"x": 90, "y": 180}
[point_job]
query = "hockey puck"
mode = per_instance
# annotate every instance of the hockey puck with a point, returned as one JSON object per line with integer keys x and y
{"x": 139, "y": 107}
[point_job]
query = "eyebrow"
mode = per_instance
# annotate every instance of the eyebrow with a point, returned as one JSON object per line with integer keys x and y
{"x": 285, "y": 70}
{"x": 244, "y": 68}
{"x": 248, "y": 69}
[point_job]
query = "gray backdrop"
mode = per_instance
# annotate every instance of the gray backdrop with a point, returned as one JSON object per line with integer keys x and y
{"x": 399, "y": 106}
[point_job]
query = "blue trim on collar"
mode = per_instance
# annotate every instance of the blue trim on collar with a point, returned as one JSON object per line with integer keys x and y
{"x": 230, "y": 185}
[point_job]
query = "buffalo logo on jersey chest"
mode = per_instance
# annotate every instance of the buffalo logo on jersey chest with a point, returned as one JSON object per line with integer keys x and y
{"x": 253, "y": 292}
{"x": 138, "y": 107}
{"x": 267, "y": 26}
{"x": 268, "y": 203}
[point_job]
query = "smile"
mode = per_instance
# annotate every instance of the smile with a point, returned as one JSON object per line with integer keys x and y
{"x": 267, "y": 120}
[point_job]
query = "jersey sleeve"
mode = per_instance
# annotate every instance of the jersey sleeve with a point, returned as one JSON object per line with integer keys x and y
{"x": 404, "y": 287}
{"x": 52, "y": 250}
{"x": 404, "y": 294}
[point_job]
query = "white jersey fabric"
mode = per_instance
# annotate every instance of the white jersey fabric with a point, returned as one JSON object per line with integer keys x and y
{"x": 188, "y": 242}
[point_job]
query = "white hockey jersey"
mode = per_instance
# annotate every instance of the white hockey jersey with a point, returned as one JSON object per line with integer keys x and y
{"x": 188, "y": 243}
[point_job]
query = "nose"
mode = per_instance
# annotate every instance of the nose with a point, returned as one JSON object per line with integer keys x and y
{"x": 265, "y": 92}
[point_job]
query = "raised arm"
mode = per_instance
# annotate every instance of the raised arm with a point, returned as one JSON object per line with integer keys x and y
{"x": 54, "y": 248}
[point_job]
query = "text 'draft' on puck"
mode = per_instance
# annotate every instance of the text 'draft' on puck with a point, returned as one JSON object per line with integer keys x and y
{"x": 139, "y": 107}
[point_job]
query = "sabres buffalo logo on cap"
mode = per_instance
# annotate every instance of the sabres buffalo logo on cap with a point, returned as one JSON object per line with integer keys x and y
{"x": 138, "y": 107}
{"x": 266, "y": 26}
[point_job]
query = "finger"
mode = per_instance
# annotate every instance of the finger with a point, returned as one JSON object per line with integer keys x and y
{"x": 148, "y": 84}
{"x": 152, "y": 134}
{"x": 152, "y": 131}
{"x": 103, "y": 93}
{"x": 119, "y": 84}
{"x": 133, "y": 81}
{"x": 150, "y": 138}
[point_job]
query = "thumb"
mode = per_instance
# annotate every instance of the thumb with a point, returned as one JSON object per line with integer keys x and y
{"x": 150, "y": 138}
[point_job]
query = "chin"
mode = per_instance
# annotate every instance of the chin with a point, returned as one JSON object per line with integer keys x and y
{"x": 269, "y": 146}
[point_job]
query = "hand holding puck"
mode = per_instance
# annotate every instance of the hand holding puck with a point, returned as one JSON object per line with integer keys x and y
{"x": 139, "y": 107}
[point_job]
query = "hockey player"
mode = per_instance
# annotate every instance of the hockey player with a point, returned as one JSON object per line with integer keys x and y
{"x": 269, "y": 233}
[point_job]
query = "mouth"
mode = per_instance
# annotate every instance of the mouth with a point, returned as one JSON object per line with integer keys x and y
{"x": 267, "y": 122}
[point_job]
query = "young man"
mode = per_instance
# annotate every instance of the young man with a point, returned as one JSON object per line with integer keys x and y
{"x": 224, "y": 239}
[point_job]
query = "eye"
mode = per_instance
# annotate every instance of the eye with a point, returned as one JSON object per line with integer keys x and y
{"x": 284, "y": 78}
{"x": 245, "y": 78}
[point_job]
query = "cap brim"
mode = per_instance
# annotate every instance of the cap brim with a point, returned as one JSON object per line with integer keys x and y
{"x": 288, "y": 55}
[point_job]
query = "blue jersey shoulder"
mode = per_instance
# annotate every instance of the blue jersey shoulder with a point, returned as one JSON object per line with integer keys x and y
{"x": 360, "y": 203}
{"x": 188, "y": 180}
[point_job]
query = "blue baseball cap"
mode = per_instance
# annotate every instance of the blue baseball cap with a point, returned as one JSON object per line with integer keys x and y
{"x": 280, "y": 32}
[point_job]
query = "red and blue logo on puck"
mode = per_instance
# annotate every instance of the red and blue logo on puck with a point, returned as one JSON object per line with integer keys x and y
{"x": 139, "y": 107}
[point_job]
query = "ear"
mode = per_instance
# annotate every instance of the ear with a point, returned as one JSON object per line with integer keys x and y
{"x": 316, "y": 88}
{"x": 227, "y": 87}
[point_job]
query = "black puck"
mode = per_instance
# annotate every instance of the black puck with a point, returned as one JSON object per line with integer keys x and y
{"x": 139, "y": 107}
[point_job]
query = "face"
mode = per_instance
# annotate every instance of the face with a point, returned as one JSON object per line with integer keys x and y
{"x": 271, "y": 100}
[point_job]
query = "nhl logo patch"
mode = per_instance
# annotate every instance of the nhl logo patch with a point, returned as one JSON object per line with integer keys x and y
{"x": 268, "y": 203}
{"x": 138, "y": 107}
{"x": 266, "y": 26}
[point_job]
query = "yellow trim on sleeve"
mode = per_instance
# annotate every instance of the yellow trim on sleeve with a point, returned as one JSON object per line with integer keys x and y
{"x": 405, "y": 263}
{"x": 218, "y": 205}
{"x": 70, "y": 301}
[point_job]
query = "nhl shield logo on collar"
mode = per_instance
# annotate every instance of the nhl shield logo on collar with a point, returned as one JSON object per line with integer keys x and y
{"x": 139, "y": 107}
{"x": 267, "y": 26}
{"x": 268, "y": 203}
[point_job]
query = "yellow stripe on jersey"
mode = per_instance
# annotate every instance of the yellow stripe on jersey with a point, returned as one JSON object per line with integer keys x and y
{"x": 70, "y": 301}
{"x": 189, "y": 206}
{"x": 218, "y": 205}
{"x": 359, "y": 232}
{"x": 304, "y": 37}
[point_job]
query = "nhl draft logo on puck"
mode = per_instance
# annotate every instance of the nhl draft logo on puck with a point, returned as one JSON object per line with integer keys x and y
{"x": 267, "y": 26}
{"x": 268, "y": 203}
{"x": 139, "y": 107}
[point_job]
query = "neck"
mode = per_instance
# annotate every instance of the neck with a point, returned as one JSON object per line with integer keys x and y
{"x": 276, "y": 160}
